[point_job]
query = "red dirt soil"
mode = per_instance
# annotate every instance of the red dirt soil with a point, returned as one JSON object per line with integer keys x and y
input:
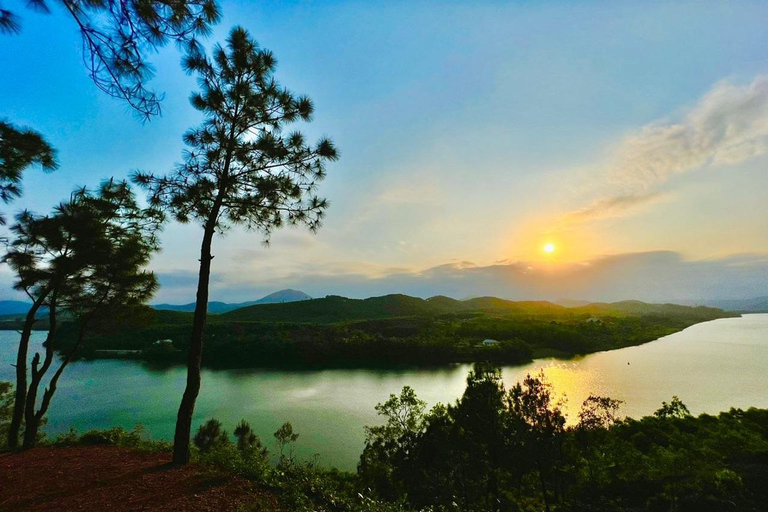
{"x": 100, "y": 478}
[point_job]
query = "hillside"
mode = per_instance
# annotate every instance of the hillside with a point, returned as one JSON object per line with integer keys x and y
{"x": 17, "y": 307}
{"x": 334, "y": 308}
{"x": 393, "y": 330}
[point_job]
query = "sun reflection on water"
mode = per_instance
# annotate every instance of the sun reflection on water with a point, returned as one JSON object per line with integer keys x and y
{"x": 571, "y": 383}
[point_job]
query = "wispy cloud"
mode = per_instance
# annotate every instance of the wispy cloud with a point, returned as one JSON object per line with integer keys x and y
{"x": 728, "y": 125}
{"x": 613, "y": 206}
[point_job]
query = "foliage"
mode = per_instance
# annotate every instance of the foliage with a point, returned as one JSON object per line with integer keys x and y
{"x": 248, "y": 442}
{"x": 241, "y": 168}
{"x": 136, "y": 438}
{"x": 674, "y": 409}
{"x": 285, "y": 438}
{"x": 488, "y": 452}
{"x": 598, "y": 412}
{"x": 424, "y": 337}
{"x": 510, "y": 450}
{"x": 84, "y": 260}
{"x": 19, "y": 149}
{"x": 6, "y": 408}
{"x": 211, "y": 435}
{"x": 118, "y": 36}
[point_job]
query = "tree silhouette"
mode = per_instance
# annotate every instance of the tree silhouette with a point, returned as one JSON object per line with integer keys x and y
{"x": 118, "y": 35}
{"x": 241, "y": 168}
{"x": 19, "y": 149}
{"x": 85, "y": 259}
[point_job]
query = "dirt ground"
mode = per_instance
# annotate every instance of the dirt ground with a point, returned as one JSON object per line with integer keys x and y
{"x": 105, "y": 478}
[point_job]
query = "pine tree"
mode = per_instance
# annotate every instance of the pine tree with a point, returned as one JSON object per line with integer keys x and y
{"x": 241, "y": 169}
{"x": 84, "y": 260}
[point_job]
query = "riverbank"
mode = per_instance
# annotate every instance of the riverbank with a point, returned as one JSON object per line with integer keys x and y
{"x": 711, "y": 366}
{"x": 399, "y": 332}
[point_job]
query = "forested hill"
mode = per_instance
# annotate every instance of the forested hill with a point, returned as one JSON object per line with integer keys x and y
{"x": 333, "y": 309}
{"x": 393, "y": 329}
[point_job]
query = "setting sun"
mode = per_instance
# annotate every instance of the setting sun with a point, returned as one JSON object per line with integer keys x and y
{"x": 549, "y": 248}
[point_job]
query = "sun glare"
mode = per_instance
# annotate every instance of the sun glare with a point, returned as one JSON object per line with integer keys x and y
{"x": 549, "y": 248}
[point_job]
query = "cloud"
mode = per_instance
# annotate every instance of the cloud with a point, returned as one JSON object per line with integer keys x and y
{"x": 728, "y": 125}
{"x": 658, "y": 276}
{"x": 615, "y": 206}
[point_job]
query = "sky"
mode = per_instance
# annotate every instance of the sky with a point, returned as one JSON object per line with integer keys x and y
{"x": 633, "y": 136}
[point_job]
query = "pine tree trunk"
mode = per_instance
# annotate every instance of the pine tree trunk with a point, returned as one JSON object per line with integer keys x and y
{"x": 31, "y": 418}
{"x": 187, "y": 407}
{"x": 21, "y": 375}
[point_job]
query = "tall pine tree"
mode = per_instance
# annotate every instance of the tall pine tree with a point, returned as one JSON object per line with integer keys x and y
{"x": 242, "y": 168}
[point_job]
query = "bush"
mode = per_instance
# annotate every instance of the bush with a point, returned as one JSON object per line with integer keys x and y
{"x": 135, "y": 438}
{"x": 210, "y": 435}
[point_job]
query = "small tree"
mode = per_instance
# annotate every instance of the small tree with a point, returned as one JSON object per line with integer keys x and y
{"x": 674, "y": 409}
{"x": 241, "y": 169}
{"x": 6, "y": 408}
{"x": 247, "y": 441}
{"x": 532, "y": 403}
{"x": 285, "y": 438}
{"x": 598, "y": 412}
{"x": 85, "y": 259}
{"x": 210, "y": 435}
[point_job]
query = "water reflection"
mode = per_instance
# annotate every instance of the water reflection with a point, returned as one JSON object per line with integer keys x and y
{"x": 711, "y": 366}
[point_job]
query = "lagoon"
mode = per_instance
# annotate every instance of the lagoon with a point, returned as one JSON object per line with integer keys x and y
{"x": 711, "y": 366}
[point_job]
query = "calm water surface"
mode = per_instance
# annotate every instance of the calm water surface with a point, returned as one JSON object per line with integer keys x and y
{"x": 711, "y": 366}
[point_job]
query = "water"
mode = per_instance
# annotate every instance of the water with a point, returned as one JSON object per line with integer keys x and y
{"x": 711, "y": 366}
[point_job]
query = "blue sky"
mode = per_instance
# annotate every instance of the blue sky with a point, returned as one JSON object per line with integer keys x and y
{"x": 470, "y": 135}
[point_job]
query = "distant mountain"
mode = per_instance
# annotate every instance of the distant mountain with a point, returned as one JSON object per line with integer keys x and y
{"x": 17, "y": 307}
{"x": 223, "y": 307}
{"x": 570, "y": 303}
{"x": 283, "y": 296}
{"x": 754, "y": 305}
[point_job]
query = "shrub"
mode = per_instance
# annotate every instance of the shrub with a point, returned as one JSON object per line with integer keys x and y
{"x": 210, "y": 435}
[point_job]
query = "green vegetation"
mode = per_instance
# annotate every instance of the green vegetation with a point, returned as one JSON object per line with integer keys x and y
{"x": 392, "y": 330}
{"x": 242, "y": 167}
{"x": 504, "y": 450}
{"x": 85, "y": 260}
{"x": 510, "y": 450}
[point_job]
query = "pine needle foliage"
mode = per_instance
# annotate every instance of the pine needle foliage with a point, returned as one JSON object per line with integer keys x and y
{"x": 21, "y": 148}
{"x": 242, "y": 168}
{"x": 85, "y": 259}
{"x": 119, "y": 35}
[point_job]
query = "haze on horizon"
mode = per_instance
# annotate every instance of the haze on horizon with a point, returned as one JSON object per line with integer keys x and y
{"x": 635, "y": 142}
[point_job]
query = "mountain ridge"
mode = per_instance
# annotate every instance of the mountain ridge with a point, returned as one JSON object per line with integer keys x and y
{"x": 218, "y": 307}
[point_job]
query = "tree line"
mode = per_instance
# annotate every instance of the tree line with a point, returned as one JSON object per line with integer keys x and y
{"x": 243, "y": 167}
{"x": 428, "y": 340}
{"x": 511, "y": 449}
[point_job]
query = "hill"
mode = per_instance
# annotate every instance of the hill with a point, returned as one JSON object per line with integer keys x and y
{"x": 216, "y": 307}
{"x": 334, "y": 308}
{"x": 754, "y": 305}
{"x": 392, "y": 330}
{"x": 16, "y": 307}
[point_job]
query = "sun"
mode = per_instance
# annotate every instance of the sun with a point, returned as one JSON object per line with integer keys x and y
{"x": 549, "y": 248}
